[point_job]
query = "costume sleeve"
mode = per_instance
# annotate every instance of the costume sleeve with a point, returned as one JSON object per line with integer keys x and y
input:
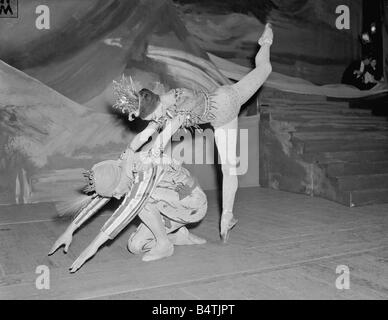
{"x": 133, "y": 202}
{"x": 93, "y": 206}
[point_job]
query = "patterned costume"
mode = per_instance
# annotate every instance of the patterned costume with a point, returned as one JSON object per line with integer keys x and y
{"x": 198, "y": 107}
{"x": 169, "y": 188}
{"x": 180, "y": 201}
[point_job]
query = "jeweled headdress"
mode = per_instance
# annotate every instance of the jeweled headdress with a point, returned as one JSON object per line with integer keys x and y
{"x": 126, "y": 97}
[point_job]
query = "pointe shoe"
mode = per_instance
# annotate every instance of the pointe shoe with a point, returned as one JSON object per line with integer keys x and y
{"x": 228, "y": 222}
{"x": 159, "y": 252}
{"x": 267, "y": 36}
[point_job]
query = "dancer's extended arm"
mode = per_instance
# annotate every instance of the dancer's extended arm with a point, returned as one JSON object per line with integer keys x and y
{"x": 67, "y": 237}
{"x": 93, "y": 247}
{"x": 89, "y": 252}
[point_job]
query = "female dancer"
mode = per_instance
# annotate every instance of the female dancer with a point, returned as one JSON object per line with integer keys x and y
{"x": 186, "y": 108}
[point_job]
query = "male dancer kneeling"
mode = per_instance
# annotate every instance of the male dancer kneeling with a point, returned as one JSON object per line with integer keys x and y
{"x": 164, "y": 195}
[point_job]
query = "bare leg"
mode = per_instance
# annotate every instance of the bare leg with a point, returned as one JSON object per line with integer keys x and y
{"x": 163, "y": 247}
{"x": 250, "y": 83}
{"x": 246, "y": 87}
{"x": 226, "y": 140}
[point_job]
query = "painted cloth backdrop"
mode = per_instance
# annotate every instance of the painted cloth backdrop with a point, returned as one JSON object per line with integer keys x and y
{"x": 55, "y": 85}
{"x": 307, "y": 43}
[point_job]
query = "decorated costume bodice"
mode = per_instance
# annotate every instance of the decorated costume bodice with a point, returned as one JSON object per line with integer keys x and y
{"x": 193, "y": 105}
{"x": 199, "y": 107}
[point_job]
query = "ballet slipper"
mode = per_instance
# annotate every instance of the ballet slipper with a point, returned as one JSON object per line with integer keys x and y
{"x": 267, "y": 36}
{"x": 130, "y": 246}
{"x": 228, "y": 222}
{"x": 159, "y": 252}
{"x": 183, "y": 237}
{"x": 137, "y": 249}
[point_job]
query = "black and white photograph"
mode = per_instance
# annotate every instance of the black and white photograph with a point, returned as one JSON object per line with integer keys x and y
{"x": 193, "y": 154}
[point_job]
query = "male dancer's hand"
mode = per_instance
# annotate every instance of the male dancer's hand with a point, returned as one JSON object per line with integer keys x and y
{"x": 65, "y": 239}
{"x": 89, "y": 252}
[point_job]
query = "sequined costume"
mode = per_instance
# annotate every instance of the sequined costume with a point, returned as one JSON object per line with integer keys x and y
{"x": 168, "y": 187}
{"x": 199, "y": 107}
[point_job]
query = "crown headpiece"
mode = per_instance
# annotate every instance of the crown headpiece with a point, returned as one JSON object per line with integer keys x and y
{"x": 126, "y": 98}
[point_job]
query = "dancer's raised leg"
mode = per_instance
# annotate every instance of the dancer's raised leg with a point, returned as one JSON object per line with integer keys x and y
{"x": 251, "y": 82}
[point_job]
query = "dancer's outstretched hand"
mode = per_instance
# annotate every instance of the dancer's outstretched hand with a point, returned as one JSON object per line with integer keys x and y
{"x": 89, "y": 252}
{"x": 65, "y": 239}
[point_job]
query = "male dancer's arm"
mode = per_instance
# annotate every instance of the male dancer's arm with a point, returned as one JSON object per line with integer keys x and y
{"x": 66, "y": 238}
{"x": 118, "y": 221}
{"x": 90, "y": 251}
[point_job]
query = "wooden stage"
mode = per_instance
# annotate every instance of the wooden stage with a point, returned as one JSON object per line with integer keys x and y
{"x": 286, "y": 246}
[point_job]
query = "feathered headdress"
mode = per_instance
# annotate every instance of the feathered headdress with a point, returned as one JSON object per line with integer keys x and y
{"x": 106, "y": 179}
{"x": 126, "y": 97}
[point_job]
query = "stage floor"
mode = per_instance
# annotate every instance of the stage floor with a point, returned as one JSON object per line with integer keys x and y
{"x": 285, "y": 246}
